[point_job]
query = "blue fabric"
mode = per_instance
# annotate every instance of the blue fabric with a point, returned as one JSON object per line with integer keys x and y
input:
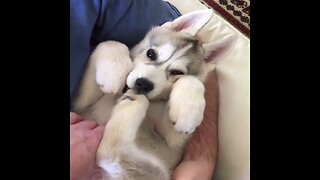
{"x": 94, "y": 21}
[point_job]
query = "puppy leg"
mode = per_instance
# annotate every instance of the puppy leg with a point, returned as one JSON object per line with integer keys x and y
{"x": 121, "y": 130}
{"x": 113, "y": 64}
{"x": 108, "y": 67}
{"x": 186, "y": 108}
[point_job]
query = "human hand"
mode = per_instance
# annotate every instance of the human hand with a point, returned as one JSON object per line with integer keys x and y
{"x": 193, "y": 170}
{"x": 85, "y": 137}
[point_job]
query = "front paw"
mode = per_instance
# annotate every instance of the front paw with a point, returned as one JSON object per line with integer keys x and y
{"x": 111, "y": 76}
{"x": 132, "y": 99}
{"x": 187, "y": 104}
{"x": 112, "y": 64}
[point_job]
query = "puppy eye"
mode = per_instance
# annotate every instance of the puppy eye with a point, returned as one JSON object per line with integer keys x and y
{"x": 151, "y": 54}
{"x": 176, "y": 72}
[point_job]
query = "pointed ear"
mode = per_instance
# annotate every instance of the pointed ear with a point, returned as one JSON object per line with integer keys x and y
{"x": 217, "y": 50}
{"x": 190, "y": 23}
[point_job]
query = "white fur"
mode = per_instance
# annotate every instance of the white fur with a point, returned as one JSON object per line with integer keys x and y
{"x": 113, "y": 168}
{"x": 107, "y": 71}
{"x": 187, "y": 104}
{"x": 112, "y": 66}
{"x": 143, "y": 155}
{"x": 165, "y": 51}
{"x": 157, "y": 75}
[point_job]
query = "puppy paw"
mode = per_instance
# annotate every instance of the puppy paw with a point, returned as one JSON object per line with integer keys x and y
{"x": 128, "y": 114}
{"x": 187, "y": 104}
{"x": 134, "y": 100}
{"x": 112, "y": 64}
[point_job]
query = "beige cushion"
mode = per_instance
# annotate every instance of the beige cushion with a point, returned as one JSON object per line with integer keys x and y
{"x": 233, "y": 77}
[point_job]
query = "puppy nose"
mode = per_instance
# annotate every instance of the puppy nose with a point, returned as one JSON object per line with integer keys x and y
{"x": 143, "y": 85}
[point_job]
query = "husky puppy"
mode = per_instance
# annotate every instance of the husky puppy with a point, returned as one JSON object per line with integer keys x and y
{"x": 149, "y": 125}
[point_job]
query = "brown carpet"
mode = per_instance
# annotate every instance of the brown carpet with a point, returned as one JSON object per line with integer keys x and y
{"x": 236, "y": 12}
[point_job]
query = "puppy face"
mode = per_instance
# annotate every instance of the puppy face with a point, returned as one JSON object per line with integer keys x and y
{"x": 161, "y": 59}
{"x": 174, "y": 50}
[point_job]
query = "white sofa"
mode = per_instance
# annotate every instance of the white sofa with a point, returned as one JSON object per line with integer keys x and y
{"x": 234, "y": 83}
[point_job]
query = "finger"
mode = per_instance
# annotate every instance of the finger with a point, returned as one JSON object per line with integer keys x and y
{"x": 200, "y": 169}
{"x": 75, "y": 118}
{"x": 99, "y": 129}
{"x": 86, "y": 124}
{"x": 96, "y": 134}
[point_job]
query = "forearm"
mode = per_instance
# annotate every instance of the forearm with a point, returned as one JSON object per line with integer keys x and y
{"x": 203, "y": 146}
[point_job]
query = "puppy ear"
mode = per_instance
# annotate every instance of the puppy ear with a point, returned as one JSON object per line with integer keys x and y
{"x": 218, "y": 50}
{"x": 190, "y": 23}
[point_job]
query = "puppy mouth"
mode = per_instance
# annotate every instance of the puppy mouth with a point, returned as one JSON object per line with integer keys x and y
{"x": 125, "y": 89}
{"x": 140, "y": 92}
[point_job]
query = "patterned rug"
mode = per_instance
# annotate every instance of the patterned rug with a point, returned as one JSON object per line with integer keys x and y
{"x": 236, "y": 12}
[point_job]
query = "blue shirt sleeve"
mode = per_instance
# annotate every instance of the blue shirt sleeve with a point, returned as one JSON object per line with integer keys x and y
{"x": 94, "y": 21}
